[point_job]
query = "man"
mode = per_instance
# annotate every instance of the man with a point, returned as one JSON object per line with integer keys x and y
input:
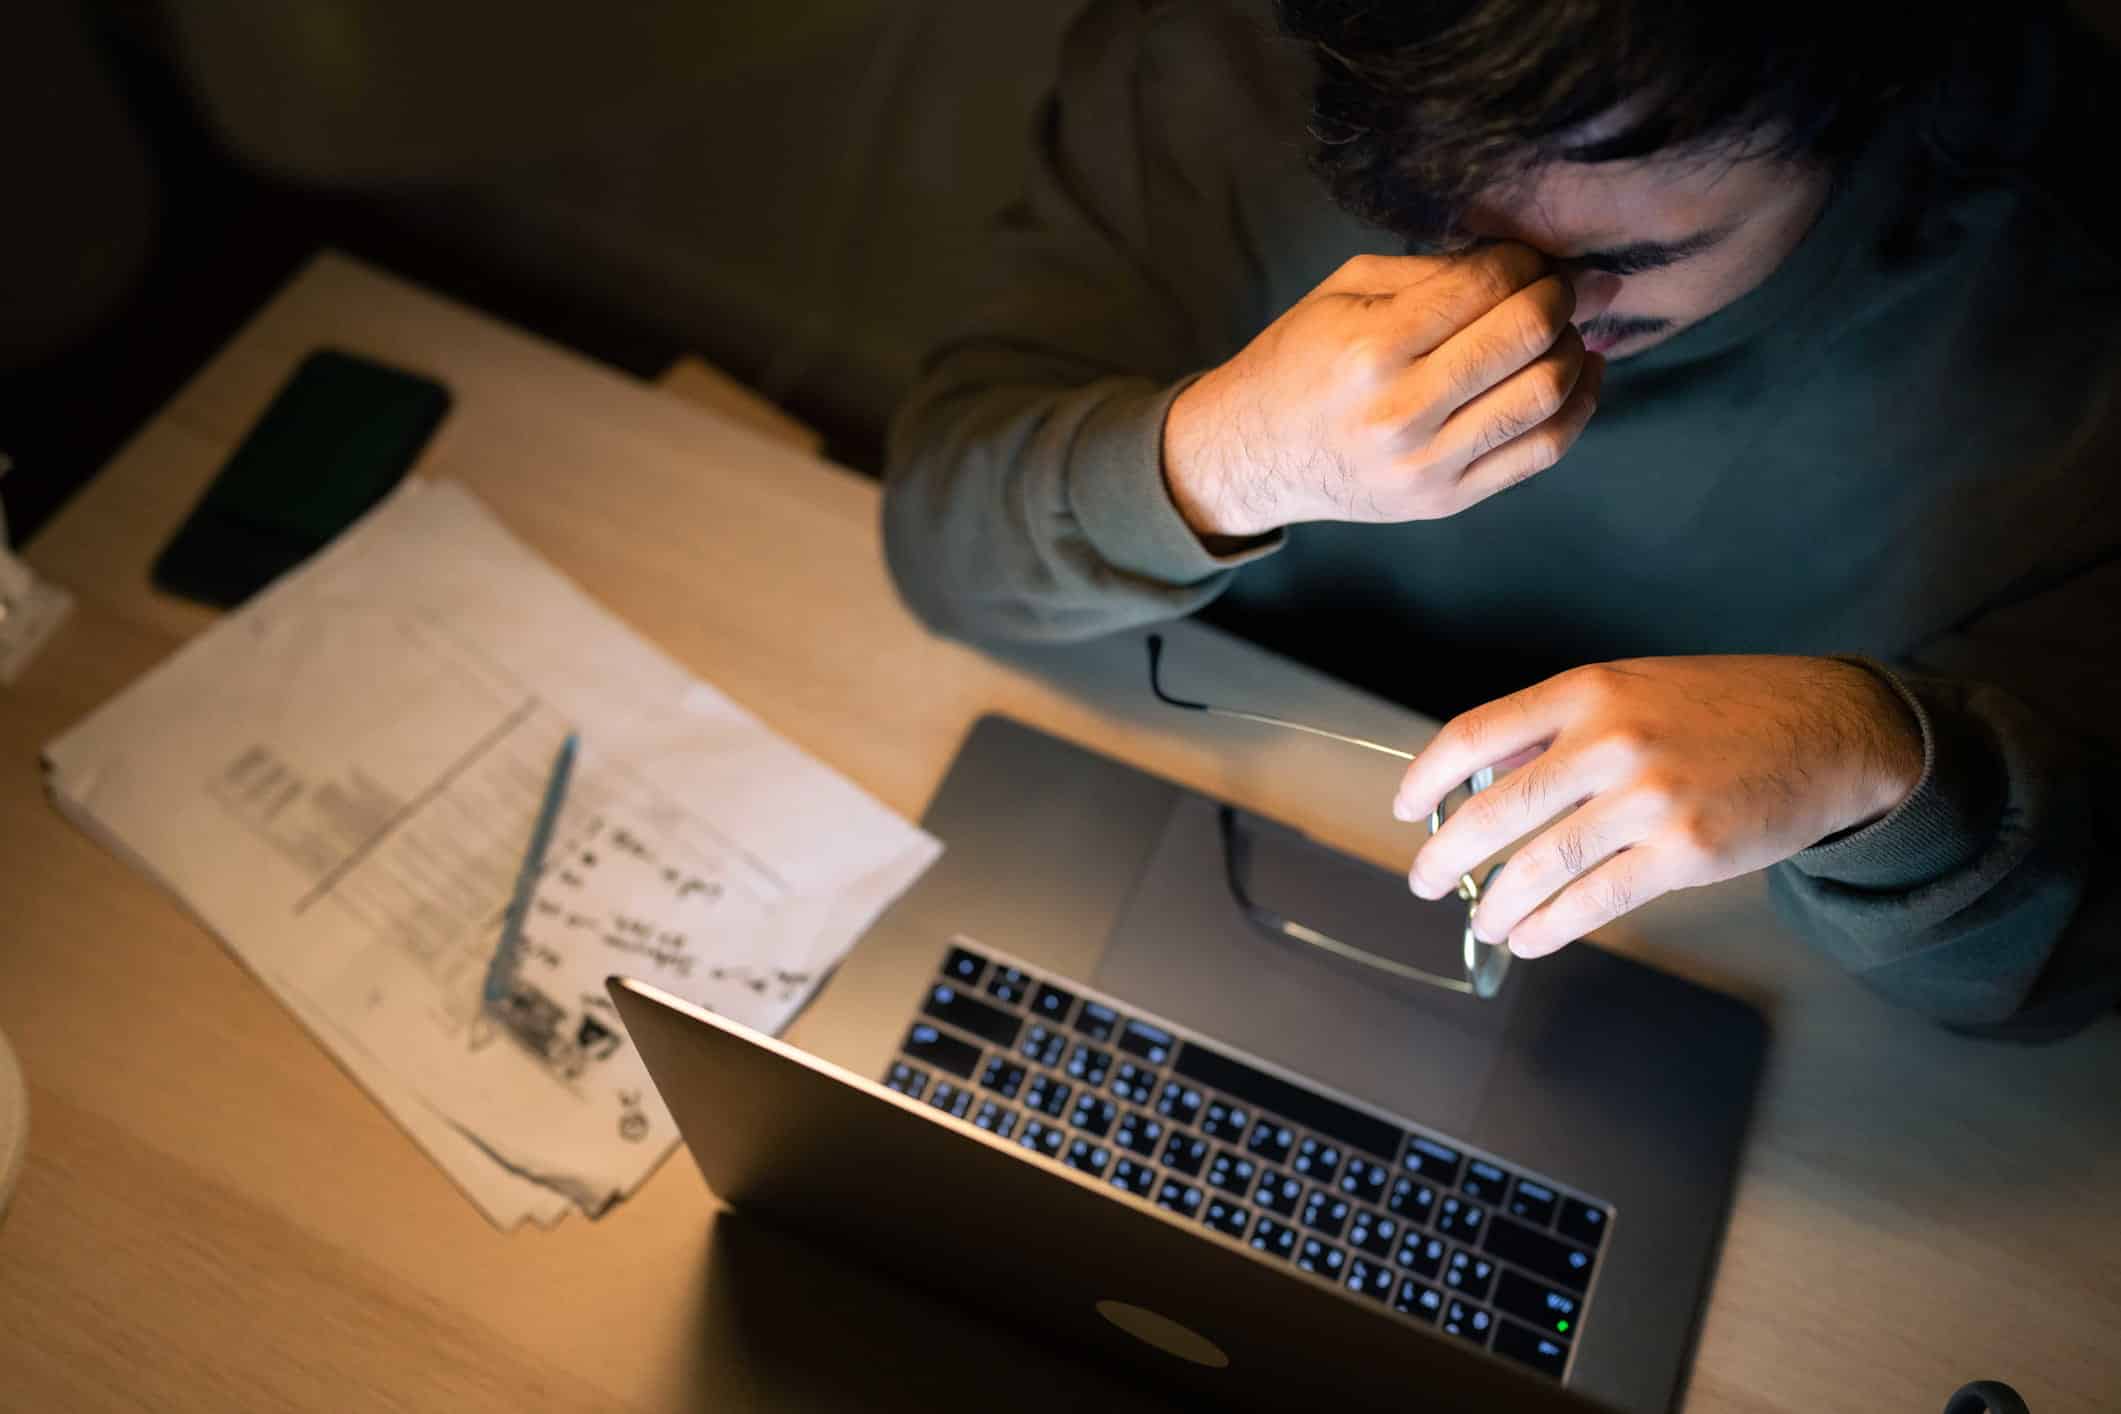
{"x": 1789, "y": 334}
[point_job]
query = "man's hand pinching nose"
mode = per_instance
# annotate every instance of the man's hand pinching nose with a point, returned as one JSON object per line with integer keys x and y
{"x": 1651, "y": 775}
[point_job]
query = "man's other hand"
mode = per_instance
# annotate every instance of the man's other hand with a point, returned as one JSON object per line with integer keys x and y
{"x": 1402, "y": 388}
{"x": 1666, "y": 773}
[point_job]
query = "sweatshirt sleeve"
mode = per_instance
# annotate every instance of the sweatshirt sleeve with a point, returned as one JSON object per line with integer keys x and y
{"x": 1991, "y": 897}
{"x": 1024, "y": 494}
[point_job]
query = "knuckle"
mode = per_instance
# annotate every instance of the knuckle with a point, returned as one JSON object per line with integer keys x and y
{"x": 1362, "y": 269}
{"x": 1571, "y": 850}
{"x": 1613, "y": 895}
{"x": 1369, "y": 360}
{"x": 1552, "y": 381}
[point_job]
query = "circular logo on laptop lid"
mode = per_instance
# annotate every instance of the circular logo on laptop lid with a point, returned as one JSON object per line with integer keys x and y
{"x": 1164, "y": 1333}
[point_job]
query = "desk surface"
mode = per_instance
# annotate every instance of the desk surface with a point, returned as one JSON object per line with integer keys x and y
{"x": 214, "y": 1217}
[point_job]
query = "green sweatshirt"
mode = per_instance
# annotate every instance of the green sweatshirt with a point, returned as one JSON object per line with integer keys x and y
{"x": 1897, "y": 448}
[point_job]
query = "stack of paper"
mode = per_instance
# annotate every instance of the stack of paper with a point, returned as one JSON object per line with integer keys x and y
{"x": 341, "y": 779}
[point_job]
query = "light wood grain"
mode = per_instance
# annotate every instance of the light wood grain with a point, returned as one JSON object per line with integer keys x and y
{"x": 214, "y": 1217}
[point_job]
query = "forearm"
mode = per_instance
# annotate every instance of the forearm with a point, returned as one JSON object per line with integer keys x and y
{"x": 1020, "y": 507}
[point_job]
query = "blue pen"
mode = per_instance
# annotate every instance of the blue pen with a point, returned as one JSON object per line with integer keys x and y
{"x": 501, "y": 971}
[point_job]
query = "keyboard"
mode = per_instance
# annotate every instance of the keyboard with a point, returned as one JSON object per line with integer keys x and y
{"x": 1334, "y": 1191}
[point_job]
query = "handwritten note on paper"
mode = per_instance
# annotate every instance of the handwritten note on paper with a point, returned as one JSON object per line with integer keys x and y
{"x": 341, "y": 780}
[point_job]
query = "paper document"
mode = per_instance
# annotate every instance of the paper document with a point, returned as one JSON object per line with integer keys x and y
{"x": 342, "y": 778}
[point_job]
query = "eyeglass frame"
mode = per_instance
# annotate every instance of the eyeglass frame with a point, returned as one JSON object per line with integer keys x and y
{"x": 1486, "y": 964}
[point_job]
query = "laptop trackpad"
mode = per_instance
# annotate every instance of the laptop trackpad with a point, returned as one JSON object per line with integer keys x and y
{"x": 1184, "y": 948}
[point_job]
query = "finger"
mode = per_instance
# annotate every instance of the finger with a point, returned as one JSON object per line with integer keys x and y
{"x": 1372, "y": 275}
{"x": 1535, "y": 451}
{"x": 1492, "y": 819}
{"x": 1626, "y": 881}
{"x": 1566, "y": 850}
{"x": 1494, "y": 345}
{"x": 1519, "y": 404}
{"x": 1476, "y": 739}
{"x": 1425, "y": 313}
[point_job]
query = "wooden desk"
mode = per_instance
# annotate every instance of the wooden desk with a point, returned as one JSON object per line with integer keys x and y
{"x": 214, "y": 1217}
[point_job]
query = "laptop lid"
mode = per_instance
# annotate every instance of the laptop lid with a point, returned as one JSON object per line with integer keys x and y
{"x": 840, "y": 1159}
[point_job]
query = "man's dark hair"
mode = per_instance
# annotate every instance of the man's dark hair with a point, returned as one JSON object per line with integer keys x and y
{"x": 1420, "y": 104}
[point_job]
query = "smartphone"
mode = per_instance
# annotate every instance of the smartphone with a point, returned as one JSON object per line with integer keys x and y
{"x": 341, "y": 433}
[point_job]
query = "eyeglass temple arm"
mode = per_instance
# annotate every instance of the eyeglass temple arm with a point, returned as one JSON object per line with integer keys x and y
{"x": 1156, "y": 658}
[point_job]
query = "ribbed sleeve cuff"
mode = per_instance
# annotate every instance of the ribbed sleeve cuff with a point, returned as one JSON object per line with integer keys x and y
{"x": 1116, "y": 490}
{"x": 1948, "y": 819}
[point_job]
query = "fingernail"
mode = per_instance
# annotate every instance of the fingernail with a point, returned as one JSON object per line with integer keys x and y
{"x": 1400, "y": 811}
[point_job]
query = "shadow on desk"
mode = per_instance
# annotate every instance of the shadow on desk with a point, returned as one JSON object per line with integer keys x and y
{"x": 790, "y": 1328}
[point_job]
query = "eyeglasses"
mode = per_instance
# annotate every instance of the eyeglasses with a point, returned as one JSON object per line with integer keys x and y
{"x": 1486, "y": 964}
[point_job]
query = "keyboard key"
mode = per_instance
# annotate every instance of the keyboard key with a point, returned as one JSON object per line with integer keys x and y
{"x": 1417, "y": 1299}
{"x": 1089, "y": 1064}
{"x": 1326, "y": 1212}
{"x": 1421, "y": 1255}
{"x": 1048, "y": 1095}
{"x": 1581, "y": 1221}
{"x": 1317, "y": 1159}
{"x": 945, "y": 1052}
{"x": 1052, "y": 1003}
{"x": 1225, "y": 1121}
{"x": 1370, "y": 1278}
{"x": 1041, "y": 1046}
{"x": 1484, "y": 1181}
{"x": 1411, "y": 1199}
{"x": 1460, "y": 1218}
{"x": 1544, "y": 1308}
{"x": 1010, "y": 985}
{"x": 1181, "y": 1198}
{"x": 996, "y": 1117}
{"x": 1373, "y": 1233}
{"x": 1277, "y": 1193}
{"x": 964, "y": 967}
{"x": 1320, "y": 1257}
{"x": 1043, "y": 1138}
{"x": 1364, "y": 1181}
{"x": 1226, "y": 1217}
{"x": 1090, "y": 1156}
{"x": 1534, "y": 1202}
{"x": 968, "y": 1013}
{"x": 1539, "y": 1254}
{"x": 1436, "y": 1162}
{"x": 1232, "y": 1172}
{"x": 1097, "y": 1021}
{"x": 951, "y": 1099}
{"x": 1137, "y": 1133}
{"x": 1276, "y": 1239}
{"x": 1133, "y": 1083}
{"x": 1469, "y": 1274}
{"x": 1180, "y": 1103}
{"x": 1271, "y": 1140}
{"x": 906, "y": 1079}
{"x": 1133, "y": 1176}
{"x": 1463, "y": 1318}
{"x": 1152, "y": 1043}
{"x": 1306, "y": 1109}
{"x": 1185, "y": 1154}
{"x": 1093, "y": 1115}
{"x": 1002, "y": 1076}
{"x": 1543, "y": 1353}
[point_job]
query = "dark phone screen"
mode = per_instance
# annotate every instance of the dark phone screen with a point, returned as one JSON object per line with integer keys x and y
{"x": 341, "y": 433}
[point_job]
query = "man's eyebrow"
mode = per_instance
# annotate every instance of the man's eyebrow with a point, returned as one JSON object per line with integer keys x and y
{"x": 1640, "y": 256}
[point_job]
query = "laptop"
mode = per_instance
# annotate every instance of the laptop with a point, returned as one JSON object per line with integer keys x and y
{"x": 1070, "y": 1080}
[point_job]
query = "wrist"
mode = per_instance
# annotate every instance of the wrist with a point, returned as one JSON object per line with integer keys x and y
{"x": 1195, "y": 482}
{"x": 1892, "y": 754}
